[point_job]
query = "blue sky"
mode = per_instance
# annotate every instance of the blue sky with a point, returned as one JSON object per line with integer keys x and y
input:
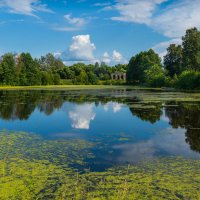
{"x": 92, "y": 30}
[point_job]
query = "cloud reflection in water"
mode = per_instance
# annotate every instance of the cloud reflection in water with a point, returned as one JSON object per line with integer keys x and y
{"x": 82, "y": 115}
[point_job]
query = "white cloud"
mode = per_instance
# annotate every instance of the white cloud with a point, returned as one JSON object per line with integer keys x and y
{"x": 82, "y": 115}
{"x": 116, "y": 58}
{"x": 81, "y": 49}
{"x": 177, "y": 18}
{"x": 73, "y": 23}
{"x": 78, "y": 22}
{"x": 106, "y": 58}
{"x": 171, "y": 21}
{"x": 25, "y": 7}
{"x": 136, "y": 11}
{"x": 102, "y": 4}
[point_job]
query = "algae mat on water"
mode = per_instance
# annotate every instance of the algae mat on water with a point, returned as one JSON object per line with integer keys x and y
{"x": 25, "y": 176}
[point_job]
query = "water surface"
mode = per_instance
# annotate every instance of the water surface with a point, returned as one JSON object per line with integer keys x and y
{"x": 119, "y": 126}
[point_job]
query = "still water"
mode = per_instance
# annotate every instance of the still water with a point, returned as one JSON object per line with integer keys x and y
{"x": 123, "y": 126}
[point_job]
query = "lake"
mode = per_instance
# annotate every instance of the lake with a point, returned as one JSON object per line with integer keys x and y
{"x": 101, "y": 130}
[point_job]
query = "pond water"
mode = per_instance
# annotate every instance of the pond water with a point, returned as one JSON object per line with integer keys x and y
{"x": 118, "y": 126}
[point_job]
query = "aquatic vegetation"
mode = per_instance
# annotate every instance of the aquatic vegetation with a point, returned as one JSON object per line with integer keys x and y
{"x": 32, "y": 168}
{"x": 162, "y": 179}
{"x": 35, "y": 167}
{"x": 32, "y": 146}
{"x": 27, "y": 180}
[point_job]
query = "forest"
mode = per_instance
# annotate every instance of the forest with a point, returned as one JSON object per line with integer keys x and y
{"x": 180, "y": 68}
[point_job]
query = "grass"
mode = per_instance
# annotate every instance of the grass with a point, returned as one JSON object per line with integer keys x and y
{"x": 75, "y": 87}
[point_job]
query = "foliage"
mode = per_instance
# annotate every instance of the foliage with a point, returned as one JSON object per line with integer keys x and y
{"x": 191, "y": 50}
{"x": 173, "y": 60}
{"x": 188, "y": 80}
{"x": 139, "y": 64}
{"x": 155, "y": 76}
{"x": 7, "y": 70}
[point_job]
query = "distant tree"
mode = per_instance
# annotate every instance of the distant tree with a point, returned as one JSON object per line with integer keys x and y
{"x": 139, "y": 64}
{"x": 56, "y": 79}
{"x": 191, "y": 50}
{"x": 82, "y": 78}
{"x": 7, "y": 69}
{"x": 97, "y": 64}
{"x": 49, "y": 62}
{"x": 30, "y": 74}
{"x": 46, "y": 78}
{"x": 173, "y": 60}
{"x": 1, "y": 73}
{"x": 92, "y": 78}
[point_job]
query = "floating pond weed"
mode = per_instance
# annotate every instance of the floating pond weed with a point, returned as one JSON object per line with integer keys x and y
{"x": 37, "y": 172}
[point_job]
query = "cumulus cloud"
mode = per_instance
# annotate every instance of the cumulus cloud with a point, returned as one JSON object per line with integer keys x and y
{"x": 25, "y": 7}
{"x": 82, "y": 115}
{"x": 113, "y": 59}
{"x": 106, "y": 58}
{"x": 117, "y": 57}
{"x": 81, "y": 49}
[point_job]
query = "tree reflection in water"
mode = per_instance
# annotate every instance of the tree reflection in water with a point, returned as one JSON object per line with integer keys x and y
{"x": 19, "y": 105}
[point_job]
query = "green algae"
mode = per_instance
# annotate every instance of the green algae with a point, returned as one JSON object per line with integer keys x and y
{"x": 32, "y": 168}
{"x": 32, "y": 146}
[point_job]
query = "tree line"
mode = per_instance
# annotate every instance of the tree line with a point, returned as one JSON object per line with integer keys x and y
{"x": 23, "y": 70}
{"x": 180, "y": 68}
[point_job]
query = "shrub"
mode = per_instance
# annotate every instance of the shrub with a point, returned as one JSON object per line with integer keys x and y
{"x": 189, "y": 80}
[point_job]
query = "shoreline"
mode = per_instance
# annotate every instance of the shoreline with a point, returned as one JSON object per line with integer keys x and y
{"x": 92, "y": 87}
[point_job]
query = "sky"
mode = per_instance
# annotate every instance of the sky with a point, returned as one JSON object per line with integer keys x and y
{"x": 110, "y": 31}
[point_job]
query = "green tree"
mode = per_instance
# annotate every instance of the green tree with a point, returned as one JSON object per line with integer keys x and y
{"x": 30, "y": 74}
{"x": 155, "y": 76}
{"x": 7, "y": 69}
{"x": 56, "y": 79}
{"x": 173, "y": 60}
{"x": 139, "y": 64}
{"x": 191, "y": 50}
{"x": 46, "y": 78}
{"x": 189, "y": 80}
{"x": 82, "y": 78}
{"x": 92, "y": 78}
{"x": 50, "y": 63}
